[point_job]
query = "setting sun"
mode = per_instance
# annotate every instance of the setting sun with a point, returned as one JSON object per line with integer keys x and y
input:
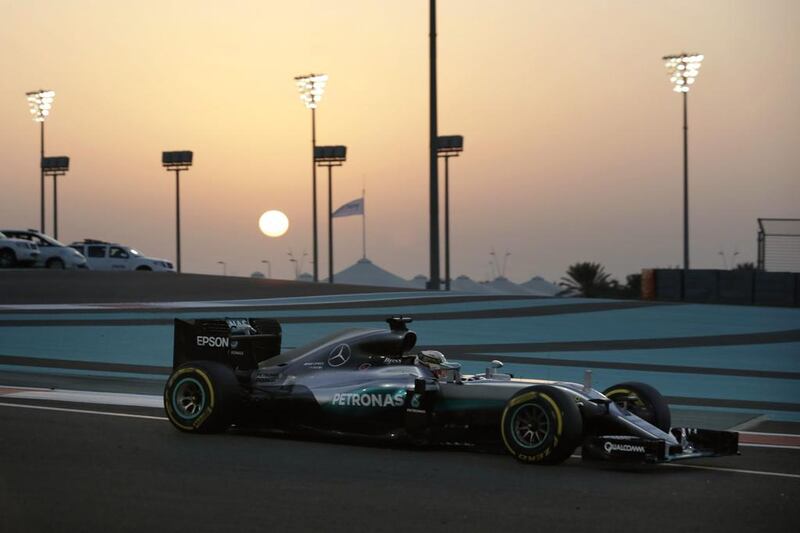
{"x": 273, "y": 223}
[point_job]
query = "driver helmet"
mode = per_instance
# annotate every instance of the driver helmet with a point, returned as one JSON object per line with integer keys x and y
{"x": 437, "y": 363}
{"x": 431, "y": 358}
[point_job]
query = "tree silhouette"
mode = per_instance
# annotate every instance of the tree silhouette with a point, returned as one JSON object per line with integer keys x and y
{"x": 587, "y": 279}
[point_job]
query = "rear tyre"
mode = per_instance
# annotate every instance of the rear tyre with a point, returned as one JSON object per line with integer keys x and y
{"x": 541, "y": 425}
{"x": 642, "y": 400}
{"x": 7, "y": 258}
{"x": 201, "y": 397}
{"x": 56, "y": 264}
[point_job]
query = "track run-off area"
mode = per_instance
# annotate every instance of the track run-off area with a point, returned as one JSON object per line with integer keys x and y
{"x": 85, "y": 446}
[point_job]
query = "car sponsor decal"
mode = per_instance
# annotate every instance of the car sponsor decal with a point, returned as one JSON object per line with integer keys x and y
{"x": 611, "y": 447}
{"x": 237, "y": 322}
{"x": 339, "y": 355}
{"x": 369, "y": 399}
{"x": 212, "y": 342}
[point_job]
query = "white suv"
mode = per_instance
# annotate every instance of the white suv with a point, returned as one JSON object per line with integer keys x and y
{"x": 103, "y": 255}
{"x": 52, "y": 254}
{"x": 15, "y": 252}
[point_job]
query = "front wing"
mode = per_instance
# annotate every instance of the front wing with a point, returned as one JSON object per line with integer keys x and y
{"x": 692, "y": 443}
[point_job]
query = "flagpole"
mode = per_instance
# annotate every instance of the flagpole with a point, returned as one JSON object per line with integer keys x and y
{"x": 363, "y": 224}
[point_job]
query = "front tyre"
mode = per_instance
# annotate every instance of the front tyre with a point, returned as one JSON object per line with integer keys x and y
{"x": 201, "y": 397}
{"x": 642, "y": 400}
{"x": 7, "y": 258}
{"x": 541, "y": 425}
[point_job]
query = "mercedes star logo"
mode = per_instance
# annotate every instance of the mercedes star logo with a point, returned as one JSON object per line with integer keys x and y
{"x": 339, "y": 355}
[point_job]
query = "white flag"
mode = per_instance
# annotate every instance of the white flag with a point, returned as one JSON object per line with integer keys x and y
{"x": 353, "y": 207}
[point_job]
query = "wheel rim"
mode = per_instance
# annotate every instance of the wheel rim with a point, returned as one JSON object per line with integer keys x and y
{"x": 56, "y": 264}
{"x": 188, "y": 398}
{"x": 530, "y": 425}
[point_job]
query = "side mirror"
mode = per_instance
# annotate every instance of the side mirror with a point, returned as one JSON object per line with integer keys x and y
{"x": 492, "y": 368}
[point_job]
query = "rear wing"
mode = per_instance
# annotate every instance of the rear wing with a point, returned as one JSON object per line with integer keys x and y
{"x": 236, "y": 342}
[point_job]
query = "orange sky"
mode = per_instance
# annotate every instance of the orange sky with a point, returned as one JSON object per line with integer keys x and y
{"x": 572, "y": 134}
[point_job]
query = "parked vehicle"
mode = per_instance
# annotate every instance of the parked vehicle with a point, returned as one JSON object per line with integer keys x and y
{"x": 52, "y": 253}
{"x": 17, "y": 252}
{"x": 103, "y": 255}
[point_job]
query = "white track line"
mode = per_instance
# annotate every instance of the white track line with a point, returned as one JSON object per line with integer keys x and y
{"x": 107, "y": 398}
{"x": 782, "y": 446}
{"x": 720, "y": 469}
{"x": 735, "y": 470}
{"x": 769, "y": 434}
{"x": 82, "y": 411}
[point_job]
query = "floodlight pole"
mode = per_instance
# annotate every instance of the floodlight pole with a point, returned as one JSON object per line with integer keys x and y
{"x": 330, "y": 165}
{"x": 55, "y": 206}
{"x": 54, "y": 174}
{"x": 685, "y": 183}
{"x": 41, "y": 168}
{"x": 330, "y": 224}
{"x": 447, "y": 147}
{"x": 434, "y": 280}
{"x": 330, "y": 156}
{"x": 178, "y": 219}
{"x": 684, "y": 69}
{"x": 314, "y": 188}
{"x": 447, "y": 222}
{"x": 177, "y": 161}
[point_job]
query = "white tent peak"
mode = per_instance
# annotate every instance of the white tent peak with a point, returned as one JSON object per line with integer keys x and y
{"x": 365, "y": 272}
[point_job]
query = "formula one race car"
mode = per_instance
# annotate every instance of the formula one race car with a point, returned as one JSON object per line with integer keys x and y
{"x": 366, "y": 384}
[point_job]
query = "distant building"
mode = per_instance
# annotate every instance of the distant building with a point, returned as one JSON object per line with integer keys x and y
{"x": 465, "y": 284}
{"x": 505, "y": 286}
{"x": 419, "y": 281}
{"x": 365, "y": 272}
{"x": 541, "y": 287}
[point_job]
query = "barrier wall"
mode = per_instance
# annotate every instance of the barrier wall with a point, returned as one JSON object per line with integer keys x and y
{"x": 743, "y": 287}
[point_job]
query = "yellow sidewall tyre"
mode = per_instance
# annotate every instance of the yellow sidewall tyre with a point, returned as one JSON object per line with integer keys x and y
{"x": 201, "y": 397}
{"x": 642, "y": 400}
{"x": 541, "y": 425}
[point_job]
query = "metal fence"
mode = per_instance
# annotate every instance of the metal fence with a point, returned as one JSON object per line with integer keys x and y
{"x": 779, "y": 244}
{"x": 738, "y": 286}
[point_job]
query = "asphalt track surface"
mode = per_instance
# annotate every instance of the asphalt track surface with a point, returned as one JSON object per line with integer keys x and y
{"x": 72, "y": 471}
{"x": 62, "y": 470}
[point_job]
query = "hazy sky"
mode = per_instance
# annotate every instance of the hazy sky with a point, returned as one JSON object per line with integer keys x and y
{"x": 572, "y": 134}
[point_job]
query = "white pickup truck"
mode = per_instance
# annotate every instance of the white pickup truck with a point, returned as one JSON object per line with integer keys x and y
{"x": 103, "y": 255}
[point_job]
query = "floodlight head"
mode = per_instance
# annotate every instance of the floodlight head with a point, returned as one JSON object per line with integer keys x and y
{"x": 449, "y": 144}
{"x": 180, "y": 160}
{"x": 40, "y": 102}
{"x": 330, "y": 154}
{"x": 311, "y": 87}
{"x": 58, "y": 164}
{"x": 683, "y": 70}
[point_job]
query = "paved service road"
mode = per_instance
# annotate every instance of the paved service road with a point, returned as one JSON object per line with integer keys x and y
{"x": 68, "y": 471}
